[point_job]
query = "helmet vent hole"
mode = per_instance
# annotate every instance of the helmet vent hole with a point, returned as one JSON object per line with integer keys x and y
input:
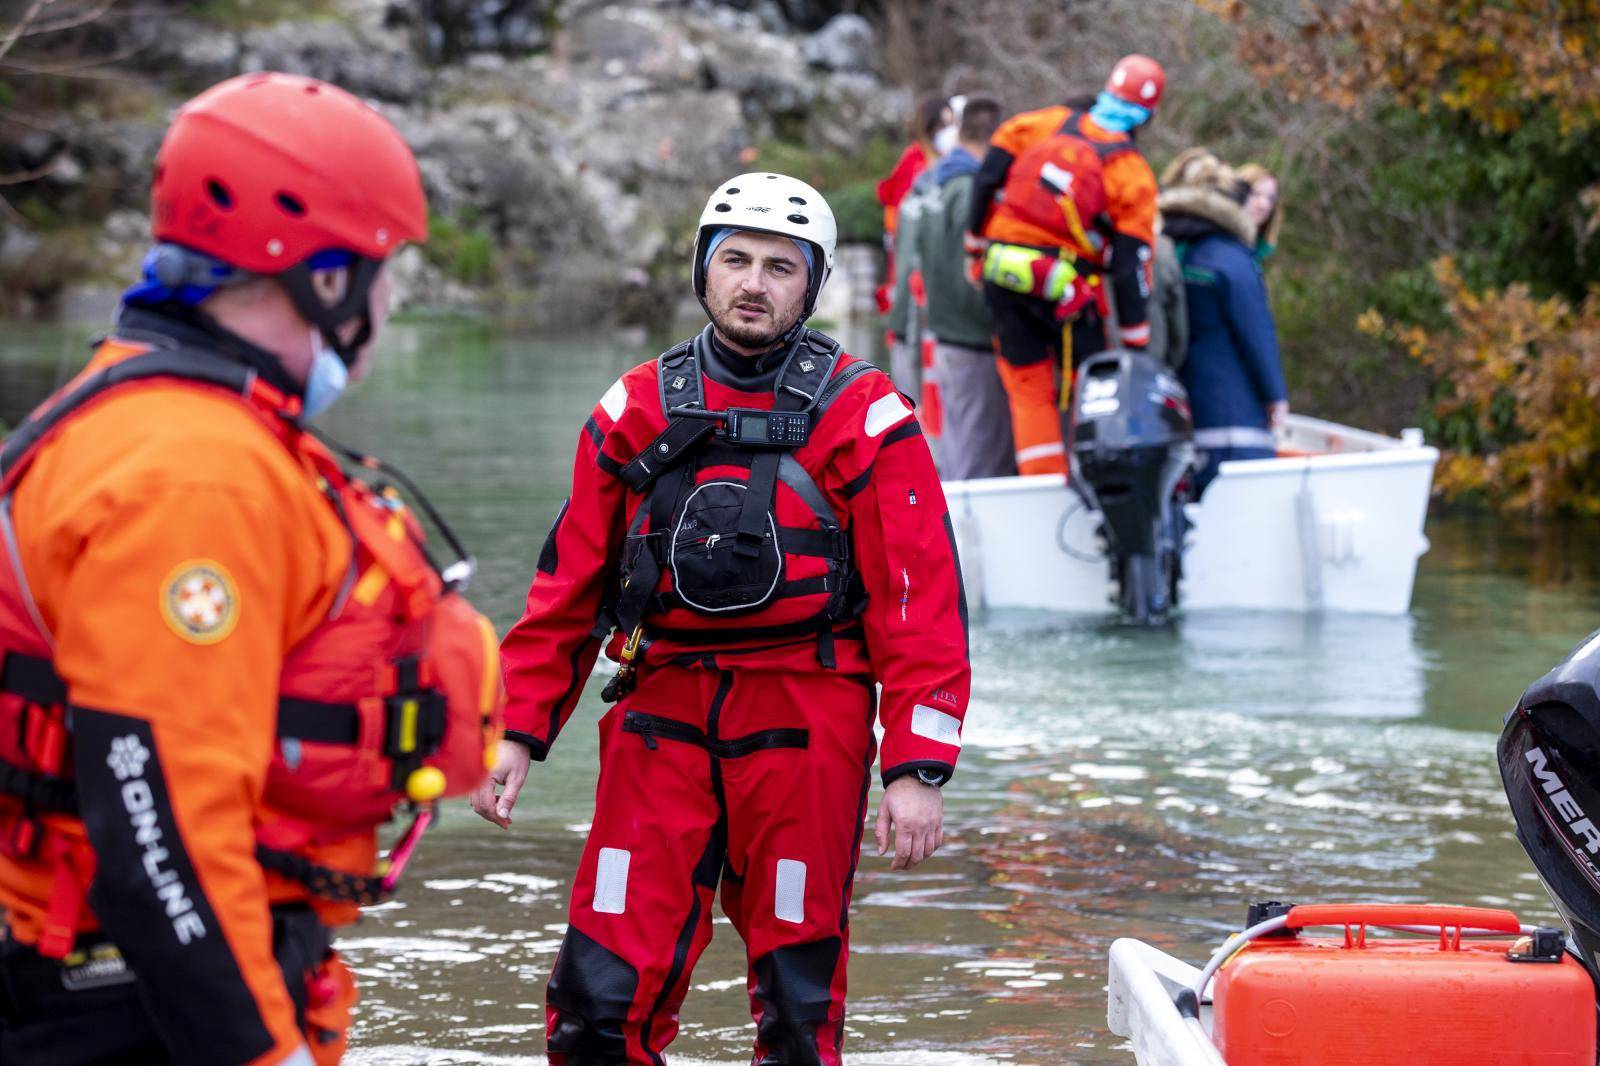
{"x": 724, "y": 207}
{"x": 800, "y": 220}
{"x": 219, "y": 194}
{"x": 291, "y": 205}
{"x": 797, "y": 200}
{"x": 733, "y": 192}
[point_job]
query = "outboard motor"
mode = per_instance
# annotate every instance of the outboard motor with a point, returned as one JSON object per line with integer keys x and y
{"x": 1550, "y": 764}
{"x": 1132, "y": 450}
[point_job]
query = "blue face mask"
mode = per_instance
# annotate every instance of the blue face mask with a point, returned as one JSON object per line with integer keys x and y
{"x": 327, "y": 380}
{"x": 1116, "y": 115}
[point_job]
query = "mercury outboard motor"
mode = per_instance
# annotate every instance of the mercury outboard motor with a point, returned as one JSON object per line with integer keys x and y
{"x": 1550, "y": 764}
{"x": 1132, "y": 450}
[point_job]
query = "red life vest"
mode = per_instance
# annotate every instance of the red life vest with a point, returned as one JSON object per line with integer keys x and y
{"x": 397, "y": 691}
{"x": 729, "y": 537}
{"x": 1058, "y": 185}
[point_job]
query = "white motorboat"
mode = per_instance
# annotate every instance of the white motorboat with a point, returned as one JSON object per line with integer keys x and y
{"x": 1334, "y": 523}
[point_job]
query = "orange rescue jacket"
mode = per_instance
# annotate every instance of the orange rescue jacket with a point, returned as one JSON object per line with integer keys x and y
{"x": 222, "y": 661}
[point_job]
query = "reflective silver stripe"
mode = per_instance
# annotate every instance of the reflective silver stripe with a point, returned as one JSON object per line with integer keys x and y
{"x": 611, "y": 881}
{"x": 936, "y": 725}
{"x": 1235, "y": 437}
{"x": 1040, "y": 451}
{"x": 789, "y": 897}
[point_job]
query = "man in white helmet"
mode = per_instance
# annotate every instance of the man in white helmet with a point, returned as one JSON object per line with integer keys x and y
{"x": 756, "y": 522}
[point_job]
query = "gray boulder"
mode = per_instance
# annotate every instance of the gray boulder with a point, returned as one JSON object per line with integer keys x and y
{"x": 449, "y": 30}
{"x": 845, "y": 43}
{"x": 366, "y": 64}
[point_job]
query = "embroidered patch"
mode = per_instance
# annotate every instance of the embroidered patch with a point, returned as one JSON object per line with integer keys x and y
{"x": 199, "y": 601}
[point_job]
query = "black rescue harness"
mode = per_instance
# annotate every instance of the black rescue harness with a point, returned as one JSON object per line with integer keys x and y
{"x": 719, "y": 536}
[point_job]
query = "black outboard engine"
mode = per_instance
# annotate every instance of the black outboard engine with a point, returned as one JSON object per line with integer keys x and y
{"x": 1133, "y": 449}
{"x": 1550, "y": 764}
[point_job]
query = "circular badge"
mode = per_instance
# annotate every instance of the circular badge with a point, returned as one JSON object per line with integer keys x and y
{"x": 199, "y": 601}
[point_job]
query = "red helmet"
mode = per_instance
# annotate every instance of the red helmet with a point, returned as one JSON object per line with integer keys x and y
{"x": 265, "y": 170}
{"x": 1138, "y": 80}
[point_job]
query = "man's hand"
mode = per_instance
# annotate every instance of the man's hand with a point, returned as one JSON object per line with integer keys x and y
{"x": 510, "y": 771}
{"x": 1277, "y": 412}
{"x": 916, "y": 812}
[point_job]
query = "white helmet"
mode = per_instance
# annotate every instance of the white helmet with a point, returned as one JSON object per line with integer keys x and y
{"x": 770, "y": 203}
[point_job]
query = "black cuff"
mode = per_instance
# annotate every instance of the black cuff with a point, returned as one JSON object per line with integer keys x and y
{"x": 943, "y": 769}
{"x": 537, "y": 749}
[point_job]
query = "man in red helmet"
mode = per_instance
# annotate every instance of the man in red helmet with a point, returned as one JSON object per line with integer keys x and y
{"x": 222, "y": 659}
{"x": 756, "y": 520}
{"x": 1062, "y": 232}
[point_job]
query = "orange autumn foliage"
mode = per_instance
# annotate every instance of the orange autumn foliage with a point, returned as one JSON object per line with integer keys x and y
{"x": 1493, "y": 60}
{"x": 1521, "y": 377}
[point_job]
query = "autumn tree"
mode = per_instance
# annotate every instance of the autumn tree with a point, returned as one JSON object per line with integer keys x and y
{"x": 1500, "y": 103}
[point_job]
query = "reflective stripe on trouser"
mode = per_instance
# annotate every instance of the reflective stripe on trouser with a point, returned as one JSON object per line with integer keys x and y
{"x": 977, "y": 415}
{"x": 756, "y": 780}
{"x": 1031, "y": 391}
{"x": 1235, "y": 437}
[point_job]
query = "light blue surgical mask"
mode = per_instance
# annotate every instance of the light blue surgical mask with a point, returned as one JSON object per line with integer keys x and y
{"x": 327, "y": 380}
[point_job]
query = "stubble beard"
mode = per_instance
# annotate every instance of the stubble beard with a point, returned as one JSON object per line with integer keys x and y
{"x": 751, "y": 336}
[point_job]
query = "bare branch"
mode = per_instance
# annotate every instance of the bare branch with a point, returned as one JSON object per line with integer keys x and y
{"x": 22, "y": 177}
{"x": 70, "y": 22}
{"x": 16, "y": 32}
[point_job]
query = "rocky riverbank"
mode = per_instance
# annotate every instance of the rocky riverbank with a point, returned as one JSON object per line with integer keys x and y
{"x": 566, "y": 145}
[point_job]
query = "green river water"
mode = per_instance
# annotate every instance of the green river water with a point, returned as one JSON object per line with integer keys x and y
{"x": 1114, "y": 782}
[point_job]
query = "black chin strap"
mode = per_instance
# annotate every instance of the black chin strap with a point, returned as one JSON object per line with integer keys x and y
{"x": 328, "y": 318}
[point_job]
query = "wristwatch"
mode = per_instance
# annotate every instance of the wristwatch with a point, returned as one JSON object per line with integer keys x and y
{"x": 930, "y": 777}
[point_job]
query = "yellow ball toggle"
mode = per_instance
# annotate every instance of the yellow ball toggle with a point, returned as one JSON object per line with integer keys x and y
{"x": 425, "y": 785}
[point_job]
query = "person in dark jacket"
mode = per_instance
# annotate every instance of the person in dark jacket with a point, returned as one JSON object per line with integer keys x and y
{"x": 1232, "y": 372}
{"x": 976, "y": 440}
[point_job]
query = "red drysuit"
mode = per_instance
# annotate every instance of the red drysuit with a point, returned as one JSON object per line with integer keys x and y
{"x": 740, "y": 760}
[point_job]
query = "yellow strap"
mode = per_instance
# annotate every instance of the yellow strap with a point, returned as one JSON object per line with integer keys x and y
{"x": 1065, "y": 399}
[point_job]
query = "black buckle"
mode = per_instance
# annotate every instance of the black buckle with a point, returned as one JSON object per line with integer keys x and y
{"x": 32, "y": 678}
{"x": 414, "y": 725}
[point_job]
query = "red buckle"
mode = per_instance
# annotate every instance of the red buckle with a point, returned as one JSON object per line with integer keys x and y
{"x": 21, "y": 839}
{"x": 44, "y": 739}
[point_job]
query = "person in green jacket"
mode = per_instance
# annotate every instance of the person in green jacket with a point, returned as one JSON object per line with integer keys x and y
{"x": 977, "y": 416}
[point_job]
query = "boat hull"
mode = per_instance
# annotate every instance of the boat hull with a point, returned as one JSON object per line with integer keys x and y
{"x": 1338, "y": 529}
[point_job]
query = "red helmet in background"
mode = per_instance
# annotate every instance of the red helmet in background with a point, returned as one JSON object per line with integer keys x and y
{"x": 264, "y": 170}
{"x": 1138, "y": 80}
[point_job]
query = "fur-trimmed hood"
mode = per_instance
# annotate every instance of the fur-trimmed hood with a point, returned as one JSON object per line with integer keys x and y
{"x": 1199, "y": 185}
{"x": 1209, "y": 205}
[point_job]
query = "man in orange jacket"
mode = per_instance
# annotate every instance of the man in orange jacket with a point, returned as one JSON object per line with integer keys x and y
{"x": 1063, "y": 209}
{"x": 223, "y": 661}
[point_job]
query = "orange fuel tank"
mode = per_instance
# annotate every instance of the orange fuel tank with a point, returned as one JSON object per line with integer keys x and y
{"x": 1360, "y": 1000}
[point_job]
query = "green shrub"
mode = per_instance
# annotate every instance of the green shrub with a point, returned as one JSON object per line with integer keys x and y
{"x": 463, "y": 249}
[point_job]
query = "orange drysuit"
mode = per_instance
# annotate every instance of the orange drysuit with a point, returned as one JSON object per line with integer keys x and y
{"x": 177, "y": 547}
{"x": 1067, "y": 188}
